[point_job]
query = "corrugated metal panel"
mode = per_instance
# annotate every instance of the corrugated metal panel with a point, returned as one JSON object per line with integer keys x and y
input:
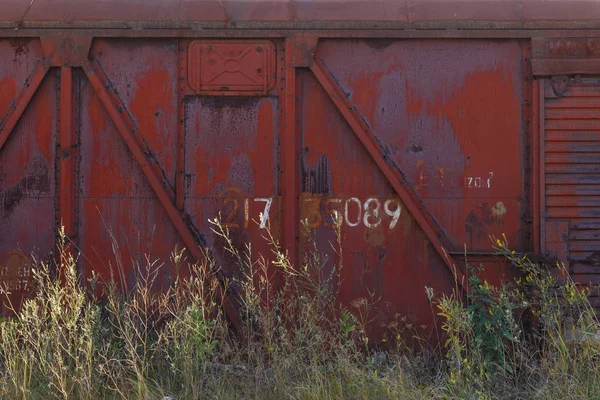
{"x": 572, "y": 173}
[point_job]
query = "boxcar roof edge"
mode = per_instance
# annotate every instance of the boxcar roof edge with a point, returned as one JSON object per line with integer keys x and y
{"x": 303, "y": 14}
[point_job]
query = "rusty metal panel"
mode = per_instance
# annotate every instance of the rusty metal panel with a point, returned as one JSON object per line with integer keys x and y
{"x": 556, "y": 56}
{"x": 572, "y": 174}
{"x": 231, "y": 168}
{"x": 224, "y": 169}
{"x": 448, "y": 119}
{"x": 417, "y": 148}
{"x": 128, "y": 10}
{"x": 444, "y": 10}
{"x": 230, "y": 141}
{"x": 384, "y": 250}
{"x": 421, "y": 148}
{"x": 448, "y": 115}
{"x": 221, "y": 67}
{"x": 373, "y": 14}
{"x": 548, "y": 13}
{"x": 115, "y": 199}
{"x": 28, "y": 179}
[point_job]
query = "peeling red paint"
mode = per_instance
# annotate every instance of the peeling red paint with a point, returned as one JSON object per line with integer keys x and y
{"x": 418, "y": 148}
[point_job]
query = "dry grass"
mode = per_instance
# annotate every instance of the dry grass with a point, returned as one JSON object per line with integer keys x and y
{"x": 535, "y": 338}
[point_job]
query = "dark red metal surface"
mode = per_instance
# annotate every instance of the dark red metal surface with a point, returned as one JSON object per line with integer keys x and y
{"x": 571, "y": 166}
{"x": 231, "y": 68}
{"x": 28, "y": 179}
{"x": 421, "y": 148}
{"x": 235, "y": 13}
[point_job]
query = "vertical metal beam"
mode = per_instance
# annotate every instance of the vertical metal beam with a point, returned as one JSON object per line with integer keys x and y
{"x": 542, "y": 164}
{"x": 528, "y": 138}
{"x": 290, "y": 210}
{"x": 32, "y": 83}
{"x": 120, "y": 117}
{"x": 535, "y": 160}
{"x": 180, "y": 172}
{"x": 400, "y": 186}
{"x": 67, "y": 155}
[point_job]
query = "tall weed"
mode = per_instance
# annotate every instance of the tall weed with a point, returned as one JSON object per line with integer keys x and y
{"x": 535, "y": 337}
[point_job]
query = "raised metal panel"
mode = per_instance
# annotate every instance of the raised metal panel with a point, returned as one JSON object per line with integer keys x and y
{"x": 226, "y": 67}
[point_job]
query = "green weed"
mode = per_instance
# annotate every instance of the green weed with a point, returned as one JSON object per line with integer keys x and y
{"x": 536, "y": 337}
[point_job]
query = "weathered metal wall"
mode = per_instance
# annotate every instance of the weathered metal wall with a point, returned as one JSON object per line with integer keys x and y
{"x": 28, "y": 161}
{"x": 446, "y": 120}
{"x": 570, "y": 166}
{"x": 419, "y": 148}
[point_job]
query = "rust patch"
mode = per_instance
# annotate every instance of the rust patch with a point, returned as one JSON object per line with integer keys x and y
{"x": 36, "y": 183}
{"x": 20, "y": 46}
{"x": 478, "y": 221}
{"x": 375, "y": 237}
{"x": 316, "y": 180}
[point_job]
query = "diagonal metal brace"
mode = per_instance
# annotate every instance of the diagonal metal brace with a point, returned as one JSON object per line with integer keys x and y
{"x": 126, "y": 128}
{"x": 32, "y": 83}
{"x": 364, "y": 134}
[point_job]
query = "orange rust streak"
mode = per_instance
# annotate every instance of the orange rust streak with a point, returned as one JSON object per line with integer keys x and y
{"x": 365, "y": 136}
{"x": 99, "y": 81}
{"x": 31, "y": 85}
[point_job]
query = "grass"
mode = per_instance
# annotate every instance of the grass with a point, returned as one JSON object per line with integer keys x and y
{"x": 536, "y": 337}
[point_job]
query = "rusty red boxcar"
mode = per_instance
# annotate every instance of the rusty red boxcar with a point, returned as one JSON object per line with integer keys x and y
{"x": 422, "y": 126}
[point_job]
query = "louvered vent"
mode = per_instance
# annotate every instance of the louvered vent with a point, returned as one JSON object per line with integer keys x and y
{"x": 572, "y": 174}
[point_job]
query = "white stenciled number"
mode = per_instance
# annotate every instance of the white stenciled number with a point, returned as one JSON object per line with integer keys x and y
{"x": 479, "y": 182}
{"x": 358, "y": 218}
{"x": 489, "y": 180}
{"x": 372, "y": 218}
{"x": 395, "y": 213}
{"x": 265, "y": 213}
